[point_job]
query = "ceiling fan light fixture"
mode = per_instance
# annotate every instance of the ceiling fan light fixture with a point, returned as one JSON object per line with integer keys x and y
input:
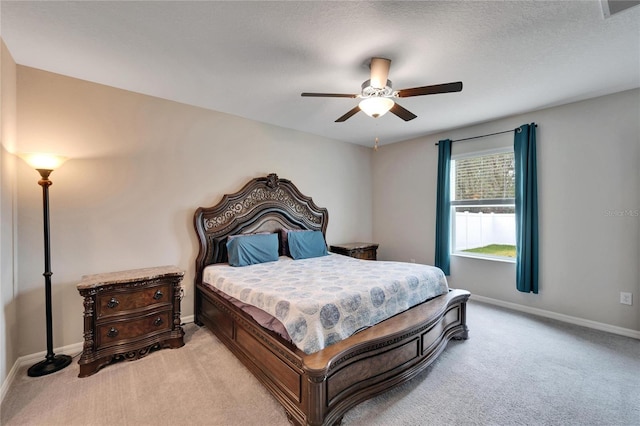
{"x": 376, "y": 106}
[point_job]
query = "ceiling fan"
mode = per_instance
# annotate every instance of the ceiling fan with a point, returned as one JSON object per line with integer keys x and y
{"x": 377, "y": 93}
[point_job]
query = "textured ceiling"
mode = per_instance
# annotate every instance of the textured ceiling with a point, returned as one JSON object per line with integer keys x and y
{"x": 253, "y": 59}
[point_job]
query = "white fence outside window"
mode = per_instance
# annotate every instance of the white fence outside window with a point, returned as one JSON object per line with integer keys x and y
{"x": 481, "y": 229}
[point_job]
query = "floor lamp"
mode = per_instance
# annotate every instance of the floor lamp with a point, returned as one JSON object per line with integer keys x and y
{"x": 45, "y": 164}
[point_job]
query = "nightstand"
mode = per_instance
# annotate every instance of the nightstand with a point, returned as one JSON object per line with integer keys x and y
{"x": 129, "y": 313}
{"x": 366, "y": 251}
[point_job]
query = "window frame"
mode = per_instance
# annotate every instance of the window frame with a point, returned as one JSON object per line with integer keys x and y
{"x": 495, "y": 202}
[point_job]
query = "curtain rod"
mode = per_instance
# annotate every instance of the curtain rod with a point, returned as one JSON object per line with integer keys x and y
{"x": 484, "y": 136}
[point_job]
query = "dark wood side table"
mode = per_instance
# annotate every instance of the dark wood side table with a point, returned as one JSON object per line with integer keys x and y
{"x": 366, "y": 251}
{"x": 129, "y": 313}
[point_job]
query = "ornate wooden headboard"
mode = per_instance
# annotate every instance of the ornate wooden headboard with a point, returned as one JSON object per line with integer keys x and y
{"x": 265, "y": 204}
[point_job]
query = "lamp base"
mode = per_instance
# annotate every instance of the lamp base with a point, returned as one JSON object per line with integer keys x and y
{"x": 48, "y": 366}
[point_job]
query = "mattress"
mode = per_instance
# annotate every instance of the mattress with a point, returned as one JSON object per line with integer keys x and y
{"x": 323, "y": 300}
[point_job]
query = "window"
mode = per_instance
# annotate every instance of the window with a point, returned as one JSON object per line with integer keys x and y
{"x": 483, "y": 204}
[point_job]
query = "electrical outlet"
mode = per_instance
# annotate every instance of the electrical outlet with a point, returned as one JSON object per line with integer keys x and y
{"x": 412, "y": 260}
{"x": 626, "y": 298}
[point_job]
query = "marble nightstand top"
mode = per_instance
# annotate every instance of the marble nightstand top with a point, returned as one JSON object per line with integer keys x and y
{"x": 121, "y": 277}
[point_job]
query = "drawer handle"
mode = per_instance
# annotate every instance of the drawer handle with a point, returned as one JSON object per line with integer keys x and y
{"x": 113, "y": 332}
{"x": 158, "y": 321}
{"x": 113, "y": 303}
{"x": 158, "y": 295}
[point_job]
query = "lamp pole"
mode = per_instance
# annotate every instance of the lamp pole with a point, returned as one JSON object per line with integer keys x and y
{"x": 52, "y": 362}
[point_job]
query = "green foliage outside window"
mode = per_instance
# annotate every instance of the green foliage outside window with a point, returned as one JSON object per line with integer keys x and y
{"x": 486, "y": 177}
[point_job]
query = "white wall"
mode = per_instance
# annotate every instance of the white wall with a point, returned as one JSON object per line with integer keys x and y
{"x": 139, "y": 168}
{"x": 8, "y": 303}
{"x": 588, "y": 156}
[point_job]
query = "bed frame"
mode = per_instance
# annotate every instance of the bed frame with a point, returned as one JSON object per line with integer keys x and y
{"x": 318, "y": 388}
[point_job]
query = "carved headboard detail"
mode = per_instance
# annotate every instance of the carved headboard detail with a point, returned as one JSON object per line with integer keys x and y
{"x": 265, "y": 204}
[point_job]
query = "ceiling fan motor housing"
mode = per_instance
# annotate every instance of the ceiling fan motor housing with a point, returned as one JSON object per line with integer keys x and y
{"x": 368, "y": 91}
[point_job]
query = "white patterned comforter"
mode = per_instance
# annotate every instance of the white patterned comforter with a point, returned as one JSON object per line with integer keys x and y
{"x": 326, "y": 299}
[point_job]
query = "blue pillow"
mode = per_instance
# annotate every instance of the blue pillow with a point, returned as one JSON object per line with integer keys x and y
{"x": 306, "y": 244}
{"x": 244, "y": 250}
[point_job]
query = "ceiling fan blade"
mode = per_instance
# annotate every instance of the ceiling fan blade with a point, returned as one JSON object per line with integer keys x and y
{"x": 403, "y": 113}
{"x": 379, "y": 72}
{"x": 348, "y": 115}
{"x": 329, "y": 95}
{"x": 431, "y": 90}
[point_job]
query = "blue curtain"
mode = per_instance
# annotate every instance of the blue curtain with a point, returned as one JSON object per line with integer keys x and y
{"x": 524, "y": 147}
{"x": 443, "y": 207}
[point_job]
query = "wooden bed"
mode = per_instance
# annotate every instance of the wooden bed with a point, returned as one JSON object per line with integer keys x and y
{"x": 317, "y": 388}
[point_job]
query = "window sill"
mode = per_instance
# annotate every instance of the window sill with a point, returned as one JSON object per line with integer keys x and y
{"x": 485, "y": 257}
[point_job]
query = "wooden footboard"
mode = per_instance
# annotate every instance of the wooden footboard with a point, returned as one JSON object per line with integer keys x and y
{"x": 317, "y": 389}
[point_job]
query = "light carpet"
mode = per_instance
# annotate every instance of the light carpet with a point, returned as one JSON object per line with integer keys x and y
{"x": 515, "y": 369}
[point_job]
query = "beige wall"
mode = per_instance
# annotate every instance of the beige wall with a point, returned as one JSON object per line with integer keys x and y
{"x": 141, "y": 165}
{"x": 588, "y": 156}
{"x": 139, "y": 168}
{"x": 8, "y": 302}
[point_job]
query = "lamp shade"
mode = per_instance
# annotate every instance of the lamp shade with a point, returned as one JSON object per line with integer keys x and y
{"x": 41, "y": 161}
{"x": 376, "y": 106}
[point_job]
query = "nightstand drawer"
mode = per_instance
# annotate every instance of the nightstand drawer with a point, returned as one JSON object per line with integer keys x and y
{"x": 116, "y": 332}
{"x": 365, "y": 251}
{"x": 114, "y": 303}
{"x": 364, "y": 254}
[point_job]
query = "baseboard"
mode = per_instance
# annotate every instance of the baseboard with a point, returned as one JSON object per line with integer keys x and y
{"x": 560, "y": 317}
{"x": 73, "y": 350}
{"x": 8, "y": 380}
